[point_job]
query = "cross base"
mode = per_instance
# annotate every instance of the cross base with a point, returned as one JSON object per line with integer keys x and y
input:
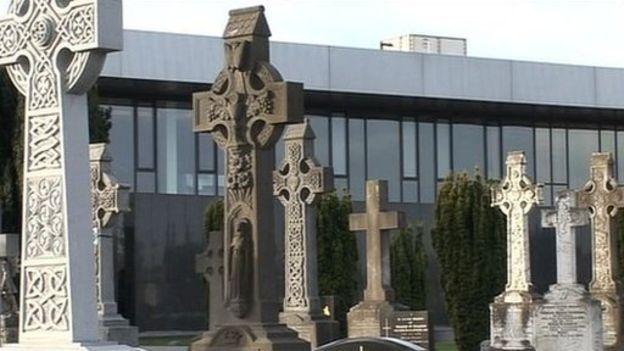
{"x": 611, "y": 304}
{"x": 317, "y": 330}
{"x": 511, "y": 326}
{"x": 118, "y": 329}
{"x": 365, "y": 319}
{"x": 266, "y": 337}
{"x": 70, "y": 347}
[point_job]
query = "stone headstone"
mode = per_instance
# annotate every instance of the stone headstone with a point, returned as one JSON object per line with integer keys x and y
{"x": 603, "y": 197}
{"x": 54, "y": 51}
{"x": 210, "y": 265}
{"x": 9, "y": 309}
{"x": 567, "y": 318}
{"x": 365, "y": 318}
{"x": 245, "y": 111}
{"x": 511, "y": 312}
{"x": 411, "y": 326}
{"x": 110, "y": 199}
{"x": 370, "y": 344}
{"x": 298, "y": 184}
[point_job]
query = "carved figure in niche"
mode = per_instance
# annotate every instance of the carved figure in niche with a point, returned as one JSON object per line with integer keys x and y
{"x": 241, "y": 269}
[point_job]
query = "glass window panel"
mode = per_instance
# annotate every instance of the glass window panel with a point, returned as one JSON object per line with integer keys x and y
{"x": 339, "y": 145}
{"x": 542, "y": 143}
{"x": 468, "y": 148}
{"x": 146, "y": 182}
{"x": 444, "y": 149}
{"x": 341, "y": 185}
{"x": 559, "y": 156}
{"x": 176, "y": 152}
{"x": 206, "y": 184}
{"x": 122, "y": 143}
{"x": 279, "y": 152}
{"x": 583, "y": 143}
{"x": 426, "y": 151}
{"x": 357, "y": 161}
{"x": 519, "y": 139}
{"x": 607, "y": 141}
{"x": 620, "y": 156}
{"x": 206, "y": 152}
{"x": 409, "y": 149}
{"x": 383, "y": 154}
{"x": 494, "y": 152}
{"x": 320, "y": 126}
{"x": 410, "y": 191}
{"x": 145, "y": 122}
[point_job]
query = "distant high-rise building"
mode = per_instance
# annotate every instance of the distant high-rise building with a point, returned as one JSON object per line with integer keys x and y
{"x": 427, "y": 44}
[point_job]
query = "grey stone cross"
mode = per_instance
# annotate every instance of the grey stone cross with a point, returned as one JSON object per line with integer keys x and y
{"x": 564, "y": 218}
{"x": 376, "y": 221}
{"x": 604, "y": 197}
{"x": 54, "y": 51}
{"x": 210, "y": 265}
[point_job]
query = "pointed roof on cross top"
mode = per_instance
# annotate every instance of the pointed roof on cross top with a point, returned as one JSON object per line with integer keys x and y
{"x": 300, "y": 131}
{"x": 249, "y": 21}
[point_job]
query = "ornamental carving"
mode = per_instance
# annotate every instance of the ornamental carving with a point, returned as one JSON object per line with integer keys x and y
{"x": 46, "y": 300}
{"x": 44, "y": 146}
{"x": 45, "y": 236}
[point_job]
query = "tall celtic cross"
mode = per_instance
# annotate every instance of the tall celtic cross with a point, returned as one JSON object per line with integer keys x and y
{"x": 565, "y": 218}
{"x": 376, "y": 222}
{"x": 245, "y": 112}
{"x": 54, "y": 51}
{"x": 603, "y": 197}
{"x": 296, "y": 184}
{"x": 516, "y": 195}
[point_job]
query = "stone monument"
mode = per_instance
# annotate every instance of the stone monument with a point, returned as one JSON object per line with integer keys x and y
{"x": 297, "y": 184}
{"x": 245, "y": 112}
{"x": 568, "y": 318}
{"x": 365, "y": 319}
{"x": 9, "y": 310}
{"x": 54, "y": 51}
{"x": 210, "y": 265}
{"x": 512, "y": 311}
{"x": 603, "y": 197}
{"x": 109, "y": 199}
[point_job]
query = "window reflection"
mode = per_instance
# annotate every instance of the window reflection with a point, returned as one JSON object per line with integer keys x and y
{"x": 383, "y": 154}
{"x": 176, "y": 152}
{"x": 444, "y": 149}
{"x": 468, "y": 148}
{"x": 519, "y": 139}
{"x": 320, "y": 126}
{"x": 145, "y": 124}
{"x": 122, "y": 143}
{"x": 493, "y": 152}
{"x": 582, "y": 144}
{"x": 339, "y": 145}
{"x": 426, "y": 151}
{"x": 357, "y": 159}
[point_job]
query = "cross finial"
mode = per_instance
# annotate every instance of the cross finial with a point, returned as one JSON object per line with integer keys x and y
{"x": 108, "y": 196}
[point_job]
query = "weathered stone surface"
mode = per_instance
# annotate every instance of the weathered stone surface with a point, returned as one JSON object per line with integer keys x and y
{"x": 109, "y": 200}
{"x": 9, "y": 310}
{"x": 365, "y": 318}
{"x": 245, "y": 112}
{"x": 54, "y": 52}
{"x": 511, "y": 313}
{"x": 297, "y": 184}
{"x": 603, "y": 197}
{"x": 210, "y": 265}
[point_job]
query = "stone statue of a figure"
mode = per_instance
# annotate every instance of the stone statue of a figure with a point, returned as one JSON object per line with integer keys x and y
{"x": 241, "y": 270}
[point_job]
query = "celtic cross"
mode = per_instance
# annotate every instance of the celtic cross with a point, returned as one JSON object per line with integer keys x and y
{"x": 603, "y": 197}
{"x": 296, "y": 184}
{"x": 376, "y": 222}
{"x": 565, "y": 218}
{"x": 54, "y": 51}
{"x": 516, "y": 196}
{"x": 210, "y": 265}
{"x": 245, "y": 112}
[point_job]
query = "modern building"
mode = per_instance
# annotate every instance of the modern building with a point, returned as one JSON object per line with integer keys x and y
{"x": 408, "y": 118}
{"x": 426, "y": 44}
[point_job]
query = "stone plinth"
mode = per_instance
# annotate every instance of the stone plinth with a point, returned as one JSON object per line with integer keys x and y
{"x": 365, "y": 319}
{"x": 318, "y": 330}
{"x": 511, "y": 325}
{"x": 276, "y": 337}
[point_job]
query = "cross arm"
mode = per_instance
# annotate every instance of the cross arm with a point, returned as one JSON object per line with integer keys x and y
{"x": 92, "y": 25}
{"x": 391, "y": 220}
{"x": 549, "y": 218}
{"x": 358, "y": 221}
{"x": 318, "y": 179}
{"x": 287, "y": 103}
{"x": 579, "y": 217}
{"x": 279, "y": 181}
{"x": 12, "y": 40}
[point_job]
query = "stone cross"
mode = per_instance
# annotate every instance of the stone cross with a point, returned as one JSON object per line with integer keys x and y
{"x": 603, "y": 197}
{"x": 54, "y": 51}
{"x": 210, "y": 265}
{"x": 564, "y": 218}
{"x": 109, "y": 199}
{"x": 296, "y": 184}
{"x": 245, "y": 112}
{"x": 376, "y": 221}
{"x": 516, "y": 196}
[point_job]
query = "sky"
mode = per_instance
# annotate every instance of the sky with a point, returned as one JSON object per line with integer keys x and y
{"x": 585, "y": 32}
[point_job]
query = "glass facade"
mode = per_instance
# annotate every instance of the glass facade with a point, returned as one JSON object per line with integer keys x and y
{"x": 155, "y": 150}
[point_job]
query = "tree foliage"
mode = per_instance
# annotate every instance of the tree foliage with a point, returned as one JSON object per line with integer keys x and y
{"x": 409, "y": 264}
{"x": 337, "y": 254}
{"x": 470, "y": 241}
{"x": 213, "y": 218}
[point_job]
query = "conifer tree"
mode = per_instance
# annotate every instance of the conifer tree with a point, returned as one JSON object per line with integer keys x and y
{"x": 408, "y": 266}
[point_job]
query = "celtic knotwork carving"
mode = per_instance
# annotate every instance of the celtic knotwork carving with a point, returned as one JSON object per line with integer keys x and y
{"x": 45, "y": 235}
{"x": 240, "y": 177}
{"x": 78, "y": 27}
{"x": 44, "y": 146}
{"x": 46, "y": 299}
{"x": 12, "y": 38}
{"x": 105, "y": 196}
{"x": 44, "y": 92}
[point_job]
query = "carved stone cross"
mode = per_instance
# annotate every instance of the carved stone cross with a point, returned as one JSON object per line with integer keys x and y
{"x": 515, "y": 197}
{"x": 245, "y": 112}
{"x": 210, "y": 265}
{"x": 54, "y": 51}
{"x": 564, "y": 218}
{"x": 603, "y": 197}
{"x": 376, "y": 221}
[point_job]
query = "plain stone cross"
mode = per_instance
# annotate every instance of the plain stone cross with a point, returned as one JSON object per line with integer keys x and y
{"x": 210, "y": 265}
{"x": 564, "y": 218}
{"x": 516, "y": 196}
{"x": 296, "y": 184}
{"x": 603, "y": 197}
{"x": 54, "y": 51}
{"x": 376, "y": 221}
